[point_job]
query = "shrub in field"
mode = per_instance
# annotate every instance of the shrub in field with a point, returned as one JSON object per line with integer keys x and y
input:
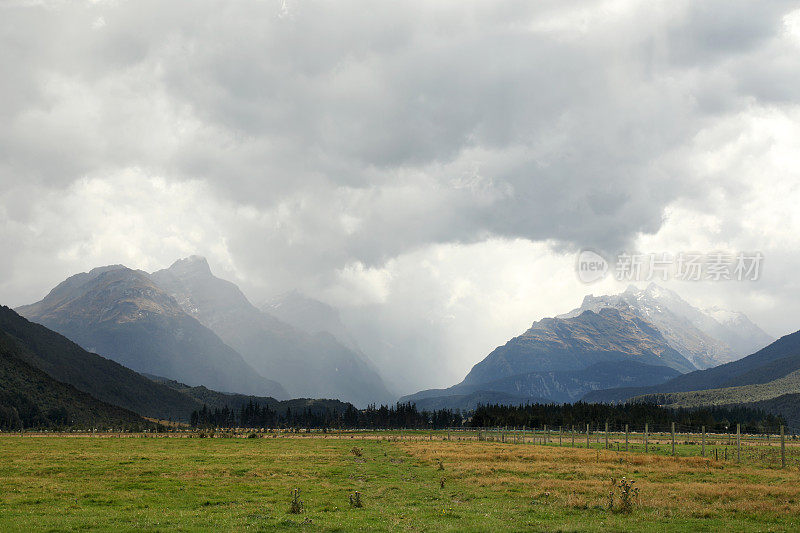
{"x": 358, "y": 452}
{"x": 441, "y": 465}
{"x": 441, "y": 483}
{"x": 628, "y": 495}
{"x": 296, "y": 506}
{"x": 355, "y": 500}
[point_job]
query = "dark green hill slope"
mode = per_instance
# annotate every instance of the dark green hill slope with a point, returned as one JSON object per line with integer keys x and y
{"x": 65, "y": 361}
{"x": 30, "y": 398}
{"x": 777, "y": 360}
{"x": 726, "y": 396}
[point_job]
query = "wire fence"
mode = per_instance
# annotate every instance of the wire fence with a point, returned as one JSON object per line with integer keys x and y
{"x": 771, "y": 450}
{"x": 778, "y": 450}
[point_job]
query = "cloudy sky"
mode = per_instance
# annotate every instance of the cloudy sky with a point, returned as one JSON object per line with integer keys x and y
{"x": 430, "y": 168}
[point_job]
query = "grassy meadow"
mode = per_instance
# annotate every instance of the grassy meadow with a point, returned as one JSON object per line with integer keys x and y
{"x": 67, "y": 483}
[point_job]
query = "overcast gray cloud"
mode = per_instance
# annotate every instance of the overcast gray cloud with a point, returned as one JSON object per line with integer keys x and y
{"x": 350, "y": 148}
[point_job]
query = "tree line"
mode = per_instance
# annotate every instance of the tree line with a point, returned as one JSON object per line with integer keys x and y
{"x": 635, "y": 415}
{"x": 254, "y": 415}
{"x": 407, "y": 416}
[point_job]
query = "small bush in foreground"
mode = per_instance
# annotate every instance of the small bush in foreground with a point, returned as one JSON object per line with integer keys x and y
{"x": 355, "y": 500}
{"x": 296, "y": 507}
{"x": 628, "y": 495}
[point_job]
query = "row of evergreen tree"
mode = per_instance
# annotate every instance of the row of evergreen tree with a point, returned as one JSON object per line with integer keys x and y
{"x": 577, "y": 415}
{"x": 254, "y": 415}
{"x": 634, "y": 415}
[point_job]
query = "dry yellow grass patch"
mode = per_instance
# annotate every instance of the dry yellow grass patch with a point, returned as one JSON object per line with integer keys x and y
{"x": 580, "y": 478}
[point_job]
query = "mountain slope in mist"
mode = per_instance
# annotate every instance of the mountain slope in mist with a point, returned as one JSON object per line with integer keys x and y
{"x": 308, "y": 365}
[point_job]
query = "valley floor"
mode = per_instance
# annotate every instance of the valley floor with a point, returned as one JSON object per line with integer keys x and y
{"x": 90, "y": 483}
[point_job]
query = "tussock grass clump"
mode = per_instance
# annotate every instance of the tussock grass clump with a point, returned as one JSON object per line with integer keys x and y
{"x": 358, "y": 452}
{"x": 296, "y": 506}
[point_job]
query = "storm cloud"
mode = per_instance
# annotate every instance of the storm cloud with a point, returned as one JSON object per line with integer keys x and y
{"x": 412, "y": 163}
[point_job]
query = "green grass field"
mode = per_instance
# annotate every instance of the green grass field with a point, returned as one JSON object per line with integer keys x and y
{"x": 231, "y": 484}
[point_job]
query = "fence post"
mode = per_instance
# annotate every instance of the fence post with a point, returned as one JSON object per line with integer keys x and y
{"x": 673, "y": 438}
{"x": 645, "y": 438}
{"x": 606, "y": 434}
{"x": 783, "y": 450}
{"x": 560, "y": 434}
{"x": 587, "y": 436}
{"x": 572, "y": 431}
{"x": 546, "y": 435}
{"x": 738, "y": 443}
{"x": 704, "y": 442}
{"x": 626, "y": 437}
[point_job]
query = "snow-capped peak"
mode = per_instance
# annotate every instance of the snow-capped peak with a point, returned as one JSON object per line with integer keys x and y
{"x": 723, "y": 316}
{"x": 705, "y": 337}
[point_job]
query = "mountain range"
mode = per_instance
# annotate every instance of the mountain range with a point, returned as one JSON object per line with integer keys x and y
{"x": 636, "y": 339}
{"x": 121, "y": 314}
{"x": 185, "y": 324}
{"x": 180, "y": 338}
{"x": 310, "y": 363}
{"x": 707, "y": 337}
